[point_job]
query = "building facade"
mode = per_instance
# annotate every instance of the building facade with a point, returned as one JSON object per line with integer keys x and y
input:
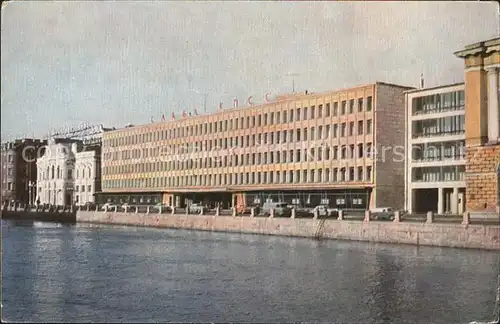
{"x": 55, "y": 172}
{"x": 87, "y": 174}
{"x": 435, "y": 159}
{"x": 305, "y": 149}
{"x": 482, "y": 67}
{"x": 18, "y": 169}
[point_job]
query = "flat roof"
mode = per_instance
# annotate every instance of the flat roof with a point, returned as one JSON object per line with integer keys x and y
{"x": 436, "y": 87}
{"x": 279, "y": 98}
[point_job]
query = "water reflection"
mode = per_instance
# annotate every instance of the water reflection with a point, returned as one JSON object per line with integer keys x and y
{"x": 131, "y": 274}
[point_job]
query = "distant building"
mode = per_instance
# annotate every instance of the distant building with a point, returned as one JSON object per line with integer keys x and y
{"x": 482, "y": 69}
{"x": 69, "y": 172}
{"x": 305, "y": 149}
{"x": 87, "y": 174}
{"x": 435, "y": 146}
{"x": 55, "y": 171}
{"x": 18, "y": 169}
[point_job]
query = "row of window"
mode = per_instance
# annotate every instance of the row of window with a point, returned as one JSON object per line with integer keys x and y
{"x": 439, "y": 126}
{"x": 272, "y": 118}
{"x": 272, "y": 138}
{"x": 82, "y": 188}
{"x": 54, "y": 172}
{"x": 436, "y": 174}
{"x": 439, "y": 151}
{"x": 290, "y": 156}
{"x": 440, "y": 102}
{"x": 337, "y": 175}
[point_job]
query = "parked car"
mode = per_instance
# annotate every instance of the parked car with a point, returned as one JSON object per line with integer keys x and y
{"x": 325, "y": 211}
{"x": 195, "y": 208}
{"x": 382, "y": 213}
{"x": 109, "y": 206}
{"x": 280, "y": 209}
{"x": 164, "y": 207}
{"x": 89, "y": 204}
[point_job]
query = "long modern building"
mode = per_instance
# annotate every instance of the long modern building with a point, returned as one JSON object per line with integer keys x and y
{"x": 306, "y": 149}
{"x": 435, "y": 146}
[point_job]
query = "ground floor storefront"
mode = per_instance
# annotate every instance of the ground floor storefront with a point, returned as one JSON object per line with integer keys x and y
{"x": 355, "y": 198}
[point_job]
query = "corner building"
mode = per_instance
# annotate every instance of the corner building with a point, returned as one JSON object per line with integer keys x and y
{"x": 482, "y": 126}
{"x": 344, "y": 148}
{"x": 435, "y": 166}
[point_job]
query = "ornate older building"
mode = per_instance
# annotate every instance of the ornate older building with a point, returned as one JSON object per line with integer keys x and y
{"x": 55, "y": 172}
{"x": 344, "y": 148}
{"x": 482, "y": 67}
{"x": 18, "y": 169}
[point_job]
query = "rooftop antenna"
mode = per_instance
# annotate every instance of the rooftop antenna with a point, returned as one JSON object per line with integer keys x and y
{"x": 421, "y": 80}
{"x": 293, "y": 75}
{"x": 205, "y": 103}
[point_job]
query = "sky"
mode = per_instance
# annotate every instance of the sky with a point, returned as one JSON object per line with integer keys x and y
{"x": 112, "y": 63}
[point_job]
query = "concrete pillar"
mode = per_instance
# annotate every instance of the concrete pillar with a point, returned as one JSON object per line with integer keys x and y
{"x": 271, "y": 213}
{"x": 233, "y": 211}
{"x": 217, "y": 211}
{"x": 493, "y": 108}
{"x": 88, "y": 207}
{"x": 252, "y": 212}
{"x": 397, "y": 216}
{"x": 126, "y": 208}
{"x": 147, "y": 210}
{"x": 136, "y": 209}
{"x": 430, "y": 217}
{"x": 315, "y": 213}
{"x": 293, "y": 213}
{"x": 202, "y": 210}
{"x": 454, "y": 201}
{"x": 187, "y": 210}
{"x": 440, "y": 201}
{"x": 341, "y": 215}
{"x": 173, "y": 210}
{"x": 116, "y": 209}
{"x": 159, "y": 209}
{"x": 466, "y": 218}
{"x": 367, "y": 216}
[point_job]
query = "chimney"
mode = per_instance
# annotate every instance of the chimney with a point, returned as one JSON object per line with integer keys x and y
{"x": 421, "y": 81}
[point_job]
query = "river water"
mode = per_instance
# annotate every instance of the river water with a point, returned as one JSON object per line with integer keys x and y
{"x": 56, "y": 273}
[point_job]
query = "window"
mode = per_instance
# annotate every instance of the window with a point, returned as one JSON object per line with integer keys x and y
{"x": 320, "y": 111}
{"x": 343, "y": 107}
{"x": 369, "y": 126}
{"x": 360, "y": 127}
{"x": 327, "y": 108}
{"x": 342, "y": 129}
{"x": 360, "y": 174}
{"x": 369, "y": 103}
{"x": 335, "y": 108}
{"x": 351, "y": 128}
{"x": 351, "y": 106}
{"x": 369, "y": 173}
{"x": 360, "y": 104}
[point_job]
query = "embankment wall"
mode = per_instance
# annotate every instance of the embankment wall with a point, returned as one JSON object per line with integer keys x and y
{"x": 445, "y": 235}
